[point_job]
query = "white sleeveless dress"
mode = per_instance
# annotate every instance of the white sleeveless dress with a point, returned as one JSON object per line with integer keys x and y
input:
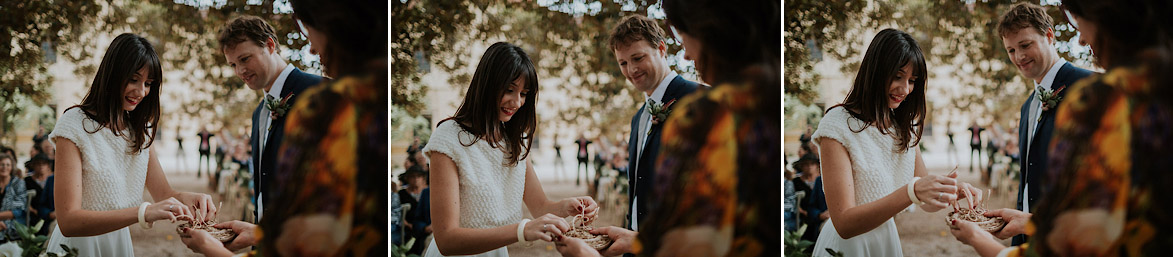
{"x": 876, "y": 171}
{"x": 490, "y": 191}
{"x": 112, "y": 179}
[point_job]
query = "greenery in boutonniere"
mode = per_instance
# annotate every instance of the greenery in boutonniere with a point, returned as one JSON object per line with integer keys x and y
{"x": 660, "y": 112}
{"x": 1050, "y": 99}
{"x": 277, "y": 108}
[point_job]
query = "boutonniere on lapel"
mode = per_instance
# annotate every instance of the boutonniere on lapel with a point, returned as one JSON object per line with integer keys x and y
{"x": 659, "y": 111}
{"x": 277, "y": 108}
{"x": 1050, "y": 99}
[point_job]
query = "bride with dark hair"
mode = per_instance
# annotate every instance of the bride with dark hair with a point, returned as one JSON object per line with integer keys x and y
{"x": 105, "y": 158}
{"x": 481, "y": 176}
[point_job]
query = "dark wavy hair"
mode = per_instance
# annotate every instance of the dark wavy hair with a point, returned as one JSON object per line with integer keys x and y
{"x": 478, "y": 114}
{"x": 356, "y": 29}
{"x": 734, "y": 38}
{"x": 103, "y": 104}
{"x": 867, "y": 101}
{"x": 1119, "y": 40}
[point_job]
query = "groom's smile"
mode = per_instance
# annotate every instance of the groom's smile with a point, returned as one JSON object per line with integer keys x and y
{"x": 1025, "y": 65}
{"x": 257, "y": 65}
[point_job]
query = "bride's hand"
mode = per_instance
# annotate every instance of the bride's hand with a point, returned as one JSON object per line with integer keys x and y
{"x": 971, "y": 193}
{"x": 169, "y": 209}
{"x": 936, "y": 191}
{"x": 580, "y": 205}
{"x": 201, "y": 205}
{"x": 546, "y": 228}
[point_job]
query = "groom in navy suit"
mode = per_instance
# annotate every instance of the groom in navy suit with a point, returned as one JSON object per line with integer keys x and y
{"x": 1027, "y": 35}
{"x": 638, "y": 45}
{"x": 249, "y": 44}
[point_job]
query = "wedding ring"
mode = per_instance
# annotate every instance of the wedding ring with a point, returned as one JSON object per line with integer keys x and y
{"x": 941, "y": 196}
{"x": 169, "y": 207}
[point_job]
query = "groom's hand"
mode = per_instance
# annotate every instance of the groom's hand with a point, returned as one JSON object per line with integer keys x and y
{"x": 245, "y": 234}
{"x": 623, "y": 240}
{"x": 1015, "y": 222}
{"x": 574, "y": 247}
{"x": 202, "y": 242}
{"x": 968, "y": 232}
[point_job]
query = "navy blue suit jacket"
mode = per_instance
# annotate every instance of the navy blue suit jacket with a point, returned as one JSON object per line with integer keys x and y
{"x": 1034, "y": 162}
{"x": 264, "y": 161}
{"x": 641, "y": 168}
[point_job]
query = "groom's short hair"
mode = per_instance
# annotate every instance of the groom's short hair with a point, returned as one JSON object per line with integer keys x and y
{"x": 634, "y": 28}
{"x": 1024, "y": 15}
{"x": 245, "y": 28}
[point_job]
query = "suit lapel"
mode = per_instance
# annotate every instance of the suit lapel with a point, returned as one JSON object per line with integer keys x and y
{"x": 255, "y": 140}
{"x": 1024, "y": 127}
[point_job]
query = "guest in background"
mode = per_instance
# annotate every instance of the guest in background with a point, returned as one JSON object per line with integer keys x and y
{"x": 584, "y": 157}
{"x": 41, "y": 182}
{"x": 14, "y": 198}
{"x": 975, "y": 145}
{"x": 812, "y": 207}
{"x": 418, "y": 221}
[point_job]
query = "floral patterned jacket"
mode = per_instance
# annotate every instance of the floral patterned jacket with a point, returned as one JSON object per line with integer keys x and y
{"x": 718, "y": 175}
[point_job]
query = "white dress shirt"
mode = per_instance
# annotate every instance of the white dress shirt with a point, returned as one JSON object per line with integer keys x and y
{"x": 1036, "y": 110}
{"x": 644, "y": 127}
{"x": 265, "y": 122}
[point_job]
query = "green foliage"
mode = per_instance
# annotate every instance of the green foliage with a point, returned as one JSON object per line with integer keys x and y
{"x": 33, "y": 245}
{"x": 794, "y": 244}
{"x": 183, "y": 35}
{"x": 29, "y": 32}
{"x": 401, "y": 250}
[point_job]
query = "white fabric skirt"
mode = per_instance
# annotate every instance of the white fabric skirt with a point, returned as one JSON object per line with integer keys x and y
{"x": 881, "y": 241}
{"x": 116, "y": 243}
{"x": 433, "y": 251}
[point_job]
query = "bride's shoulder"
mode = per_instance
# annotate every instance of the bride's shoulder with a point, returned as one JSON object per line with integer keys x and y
{"x": 447, "y": 128}
{"x": 74, "y": 116}
{"x": 837, "y": 123}
{"x": 448, "y": 133}
{"x": 838, "y": 115}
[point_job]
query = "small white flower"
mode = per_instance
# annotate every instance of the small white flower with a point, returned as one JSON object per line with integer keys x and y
{"x": 10, "y": 249}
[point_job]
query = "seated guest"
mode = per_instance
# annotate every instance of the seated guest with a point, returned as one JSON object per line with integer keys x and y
{"x": 41, "y": 182}
{"x": 813, "y": 207}
{"x": 415, "y": 222}
{"x": 13, "y": 201}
